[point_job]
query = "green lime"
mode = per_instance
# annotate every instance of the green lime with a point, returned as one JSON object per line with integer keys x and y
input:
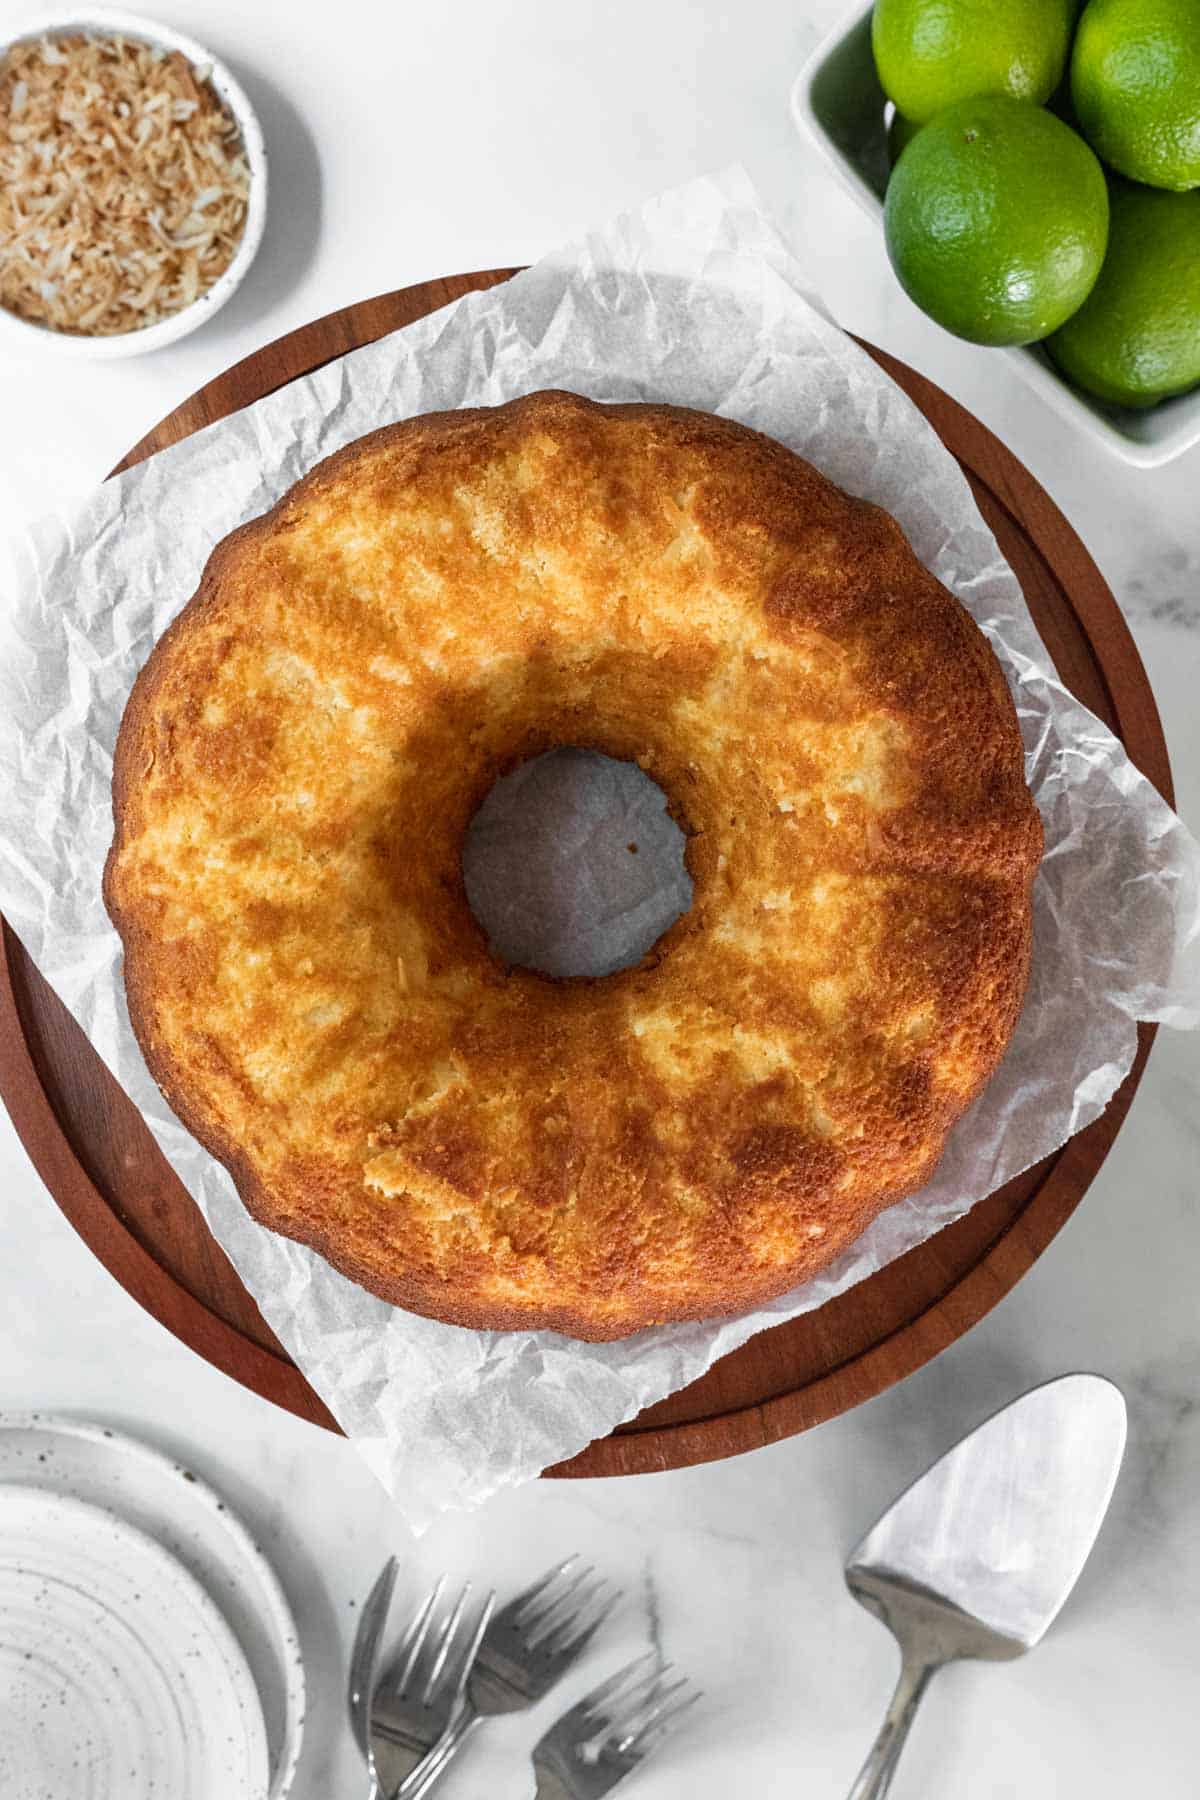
{"x": 1136, "y": 338}
{"x": 901, "y": 133}
{"x": 996, "y": 220}
{"x": 932, "y": 53}
{"x": 1135, "y": 80}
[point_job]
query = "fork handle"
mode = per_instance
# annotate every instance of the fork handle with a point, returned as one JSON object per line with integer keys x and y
{"x": 431, "y": 1768}
{"x": 875, "y": 1776}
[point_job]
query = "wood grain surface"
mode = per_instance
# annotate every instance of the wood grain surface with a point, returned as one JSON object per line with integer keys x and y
{"x": 97, "y": 1157}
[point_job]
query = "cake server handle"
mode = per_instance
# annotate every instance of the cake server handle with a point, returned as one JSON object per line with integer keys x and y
{"x": 875, "y": 1776}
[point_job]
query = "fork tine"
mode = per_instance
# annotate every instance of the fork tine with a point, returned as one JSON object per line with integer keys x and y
{"x": 585, "y": 1598}
{"x": 662, "y": 1721}
{"x": 366, "y": 1643}
{"x": 647, "y": 1708}
{"x": 599, "y": 1603}
{"x": 453, "y": 1675}
{"x": 568, "y": 1639}
{"x": 564, "y": 1611}
{"x": 629, "y": 1706}
{"x": 531, "y": 1621}
{"x": 474, "y": 1638}
{"x": 442, "y": 1647}
{"x": 413, "y": 1641}
{"x": 524, "y": 1601}
{"x": 592, "y": 1704}
{"x": 602, "y": 1614}
{"x": 628, "y": 1710}
{"x": 371, "y": 1619}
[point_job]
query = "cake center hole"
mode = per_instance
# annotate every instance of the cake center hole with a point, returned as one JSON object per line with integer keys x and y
{"x": 573, "y": 866}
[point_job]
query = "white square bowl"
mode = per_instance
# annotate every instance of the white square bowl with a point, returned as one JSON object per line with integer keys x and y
{"x": 837, "y": 100}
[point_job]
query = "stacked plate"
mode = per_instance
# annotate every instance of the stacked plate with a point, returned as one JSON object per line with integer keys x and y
{"x": 146, "y": 1647}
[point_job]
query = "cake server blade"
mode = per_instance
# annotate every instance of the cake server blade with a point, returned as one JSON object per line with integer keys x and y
{"x": 978, "y": 1556}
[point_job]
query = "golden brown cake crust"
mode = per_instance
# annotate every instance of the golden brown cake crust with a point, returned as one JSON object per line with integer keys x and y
{"x": 306, "y": 745}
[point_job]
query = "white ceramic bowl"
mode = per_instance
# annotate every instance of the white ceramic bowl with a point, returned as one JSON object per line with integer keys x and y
{"x": 837, "y": 100}
{"x": 18, "y": 332}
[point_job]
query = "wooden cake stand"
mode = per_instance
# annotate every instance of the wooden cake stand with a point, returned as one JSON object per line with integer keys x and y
{"x": 96, "y": 1155}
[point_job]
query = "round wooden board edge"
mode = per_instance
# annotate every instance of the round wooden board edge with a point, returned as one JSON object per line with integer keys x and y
{"x": 631, "y": 1449}
{"x": 638, "y": 1450}
{"x": 114, "y": 1246}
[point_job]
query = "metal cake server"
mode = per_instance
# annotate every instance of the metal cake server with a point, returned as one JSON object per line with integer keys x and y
{"x": 979, "y": 1555}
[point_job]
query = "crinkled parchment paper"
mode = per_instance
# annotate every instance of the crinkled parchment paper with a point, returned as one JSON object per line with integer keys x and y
{"x": 573, "y": 865}
{"x": 694, "y": 300}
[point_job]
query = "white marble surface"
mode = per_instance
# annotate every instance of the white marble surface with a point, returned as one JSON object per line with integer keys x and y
{"x": 407, "y": 142}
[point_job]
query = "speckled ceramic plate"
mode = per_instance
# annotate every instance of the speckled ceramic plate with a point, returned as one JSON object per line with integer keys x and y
{"x": 92, "y": 1462}
{"x": 119, "y": 1678}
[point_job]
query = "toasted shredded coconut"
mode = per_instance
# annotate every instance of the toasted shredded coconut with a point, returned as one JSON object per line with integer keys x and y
{"x": 123, "y": 183}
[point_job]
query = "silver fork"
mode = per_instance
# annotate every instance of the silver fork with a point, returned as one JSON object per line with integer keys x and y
{"x": 611, "y": 1731}
{"x": 422, "y": 1692}
{"x": 528, "y": 1646}
{"x": 362, "y": 1665}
